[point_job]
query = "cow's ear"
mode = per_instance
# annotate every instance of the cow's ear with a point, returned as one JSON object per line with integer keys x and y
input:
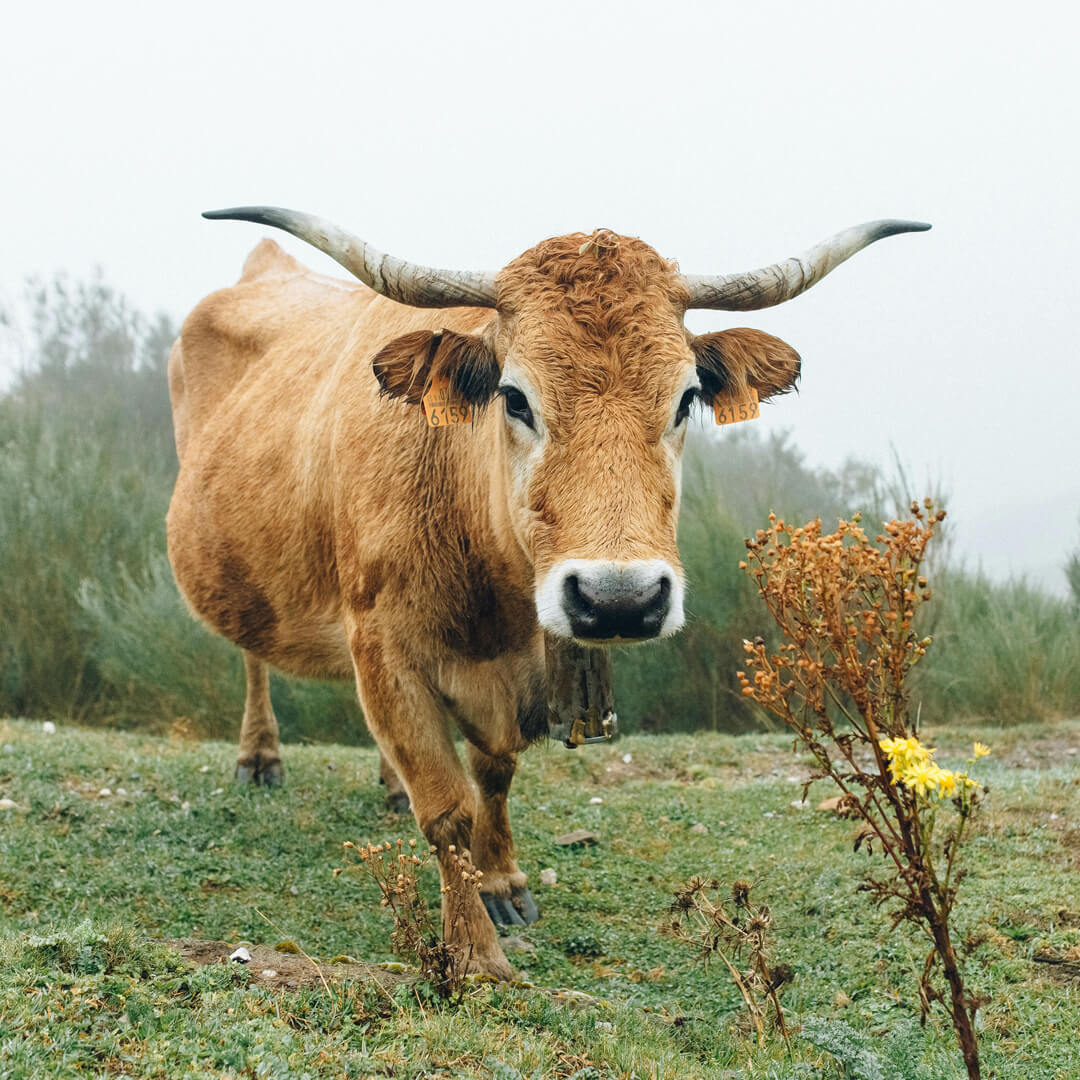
{"x": 407, "y": 366}
{"x": 731, "y": 360}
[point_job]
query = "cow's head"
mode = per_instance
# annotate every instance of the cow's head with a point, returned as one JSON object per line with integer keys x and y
{"x": 594, "y": 375}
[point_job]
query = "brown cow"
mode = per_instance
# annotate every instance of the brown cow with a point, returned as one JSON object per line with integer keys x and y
{"x": 336, "y": 535}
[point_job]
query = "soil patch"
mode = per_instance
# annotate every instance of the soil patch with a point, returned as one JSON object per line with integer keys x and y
{"x": 279, "y": 970}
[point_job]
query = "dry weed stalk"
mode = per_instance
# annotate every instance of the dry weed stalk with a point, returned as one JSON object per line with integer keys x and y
{"x": 439, "y": 953}
{"x": 704, "y": 922}
{"x": 847, "y": 608}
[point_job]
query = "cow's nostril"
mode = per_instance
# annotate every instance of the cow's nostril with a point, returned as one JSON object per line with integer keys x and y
{"x": 617, "y": 602}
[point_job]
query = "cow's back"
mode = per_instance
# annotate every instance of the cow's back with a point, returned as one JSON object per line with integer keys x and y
{"x": 275, "y": 299}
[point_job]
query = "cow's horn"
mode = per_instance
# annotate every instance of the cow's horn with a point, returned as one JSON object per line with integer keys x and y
{"x": 408, "y": 283}
{"x": 774, "y": 284}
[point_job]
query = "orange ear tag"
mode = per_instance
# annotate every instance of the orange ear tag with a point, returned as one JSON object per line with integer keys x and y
{"x": 442, "y": 407}
{"x": 732, "y": 410}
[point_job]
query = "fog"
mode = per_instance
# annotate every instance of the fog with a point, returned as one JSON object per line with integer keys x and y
{"x": 727, "y": 136}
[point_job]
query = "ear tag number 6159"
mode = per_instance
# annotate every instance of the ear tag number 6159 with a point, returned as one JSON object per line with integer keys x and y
{"x": 732, "y": 410}
{"x": 442, "y": 407}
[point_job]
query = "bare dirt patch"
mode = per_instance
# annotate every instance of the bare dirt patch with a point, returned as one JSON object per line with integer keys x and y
{"x": 280, "y": 970}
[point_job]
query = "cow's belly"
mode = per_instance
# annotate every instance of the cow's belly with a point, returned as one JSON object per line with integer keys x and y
{"x": 261, "y": 580}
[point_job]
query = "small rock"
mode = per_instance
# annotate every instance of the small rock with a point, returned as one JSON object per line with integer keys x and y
{"x": 218, "y": 791}
{"x": 204, "y": 768}
{"x": 48, "y": 727}
{"x": 104, "y": 792}
{"x": 121, "y": 791}
{"x": 834, "y": 804}
{"x": 626, "y": 759}
{"x": 240, "y": 956}
{"x": 294, "y": 890}
{"x": 801, "y": 804}
{"x": 699, "y": 829}
{"x": 794, "y": 779}
{"x": 769, "y": 813}
{"x": 268, "y": 973}
{"x": 516, "y": 944}
{"x": 547, "y": 875}
{"x": 10, "y": 804}
{"x": 185, "y": 806}
{"x": 578, "y": 836}
{"x": 596, "y": 800}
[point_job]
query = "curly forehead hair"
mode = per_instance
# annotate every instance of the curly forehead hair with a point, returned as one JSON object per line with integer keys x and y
{"x": 604, "y": 283}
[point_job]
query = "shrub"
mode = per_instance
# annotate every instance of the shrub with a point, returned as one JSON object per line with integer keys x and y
{"x": 847, "y": 608}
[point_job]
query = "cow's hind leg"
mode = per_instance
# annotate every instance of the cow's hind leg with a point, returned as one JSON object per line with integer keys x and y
{"x": 259, "y": 761}
{"x": 504, "y": 890}
{"x": 397, "y": 798}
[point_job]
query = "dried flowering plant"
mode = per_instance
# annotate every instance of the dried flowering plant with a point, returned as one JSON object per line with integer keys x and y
{"x": 443, "y": 961}
{"x": 847, "y": 607}
{"x": 732, "y": 927}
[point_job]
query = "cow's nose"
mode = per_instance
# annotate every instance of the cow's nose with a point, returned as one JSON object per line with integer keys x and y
{"x": 616, "y": 602}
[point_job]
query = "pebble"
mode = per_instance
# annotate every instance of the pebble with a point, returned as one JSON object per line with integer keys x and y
{"x": 10, "y": 804}
{"x": 218, "y": 791}
{"x": 627, "y": 758}
{"x": 268, "y": 973}
{"x": 205, "y": 768}
{"x": 801, "y": 804}
{"x": 48, "y": 727}
{"x": 769, "y": 813}
{"x": 121, "y": 791}
{"x": 240, "y": 956}
{"x": 185, "y": 805}
{"x": 294, "y": 890}
{"x": 105, "y": 792}
{"x": 596, "y": 800}
{"x": 547, "y": 875}
{"x": 698, "y": 828}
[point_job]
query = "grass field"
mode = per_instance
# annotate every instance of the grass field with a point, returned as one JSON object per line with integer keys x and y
{"x": 175, "y": 850}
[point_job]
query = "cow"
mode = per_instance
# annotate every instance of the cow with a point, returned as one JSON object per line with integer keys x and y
{"x": 322, "y": 524}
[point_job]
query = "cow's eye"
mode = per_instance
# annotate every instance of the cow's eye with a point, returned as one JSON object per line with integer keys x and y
{"x": 684, "y": 406}
{"x": 517, "y": 405}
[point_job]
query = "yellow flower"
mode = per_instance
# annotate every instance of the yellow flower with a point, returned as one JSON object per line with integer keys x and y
{"x": 913, "y": 765}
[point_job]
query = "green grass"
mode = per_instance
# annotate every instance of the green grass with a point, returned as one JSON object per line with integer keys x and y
{"x": 86, "y": 878}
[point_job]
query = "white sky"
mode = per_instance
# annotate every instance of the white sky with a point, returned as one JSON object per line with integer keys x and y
{"x": 726, "y": 135}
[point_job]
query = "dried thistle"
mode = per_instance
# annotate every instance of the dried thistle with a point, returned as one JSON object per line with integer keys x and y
{"x": 847, "y": 607}
{"x": 732, "y": 927}
{"x": 442, "y": 961}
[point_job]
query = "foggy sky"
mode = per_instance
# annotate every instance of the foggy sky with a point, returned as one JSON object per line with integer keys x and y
{"x": 726, "y": 135}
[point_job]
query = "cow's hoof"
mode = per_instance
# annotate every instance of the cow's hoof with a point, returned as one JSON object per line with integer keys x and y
{"x": 524, "y": 903}
{"x": 265, "y": 773}
{"x": 517, "y": 909}
{"x": 398, "y": 803}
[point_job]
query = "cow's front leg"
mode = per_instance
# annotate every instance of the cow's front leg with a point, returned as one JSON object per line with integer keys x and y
{"x": 504, "y": 889}
{"x": 410, "y": 728}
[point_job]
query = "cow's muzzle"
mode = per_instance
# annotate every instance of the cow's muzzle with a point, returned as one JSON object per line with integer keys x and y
{"x": 596, "y": 601}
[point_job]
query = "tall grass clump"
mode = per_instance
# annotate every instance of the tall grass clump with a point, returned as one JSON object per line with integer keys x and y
{"x": 84, "y": 479}
{"x": 1003, "y": 650}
